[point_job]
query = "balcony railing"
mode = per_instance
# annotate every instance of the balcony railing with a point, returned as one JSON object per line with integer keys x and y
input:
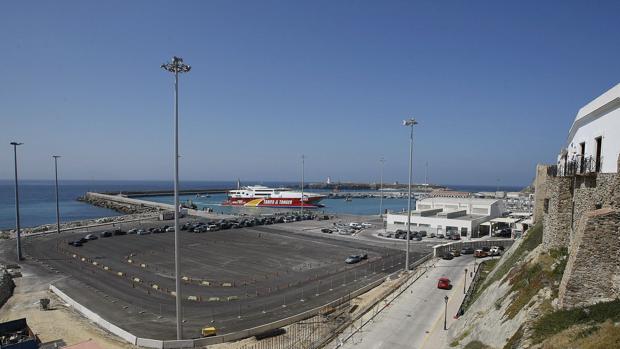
{"x": 578, "y": 166}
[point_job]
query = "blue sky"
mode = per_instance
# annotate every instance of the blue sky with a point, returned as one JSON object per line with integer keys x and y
{"x": 494, "y": 85}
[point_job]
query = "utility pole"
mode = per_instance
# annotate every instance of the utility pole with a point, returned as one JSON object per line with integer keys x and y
{"x": 426, "y": 174}
{"x": 17, "y": 227}
{"x": 177, "y": 66}
{"x": 382, "y": 161}
{"x": 445, "y": 313}
{"x": 57, "y": 204}
{"x": 410, "y": 123}
{"x": 303, "y": 162}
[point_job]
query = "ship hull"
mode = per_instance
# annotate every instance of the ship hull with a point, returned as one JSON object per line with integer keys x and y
{"x": 275, "y": 202}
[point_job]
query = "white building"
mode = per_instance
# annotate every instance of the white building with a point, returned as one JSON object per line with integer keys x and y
{"x": 593, "y": 142}
{"x": 442, "y": 215}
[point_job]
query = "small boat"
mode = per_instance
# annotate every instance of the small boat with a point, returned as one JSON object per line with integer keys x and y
{"x": 348, "y": 199}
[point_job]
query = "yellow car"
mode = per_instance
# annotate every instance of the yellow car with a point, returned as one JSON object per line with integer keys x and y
{"x": 209, "y": 331}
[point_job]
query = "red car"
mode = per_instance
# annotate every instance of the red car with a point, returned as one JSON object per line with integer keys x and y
{"x": 444, "y": 284}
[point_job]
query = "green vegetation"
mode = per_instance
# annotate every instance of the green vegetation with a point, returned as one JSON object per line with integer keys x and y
{"x": 527, "y": 279}
{"x": 530, "y": 242}
{"x": 456, "y": 341}
{"x": 560, "y": 320}
{"x": 476, "y": 345}
{"x": 515, "y": 341}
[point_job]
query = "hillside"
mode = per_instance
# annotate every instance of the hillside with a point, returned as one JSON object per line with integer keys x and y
{"x": 515, "y": 306}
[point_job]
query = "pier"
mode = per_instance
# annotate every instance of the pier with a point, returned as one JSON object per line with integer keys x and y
{"x": 131, "y": 194}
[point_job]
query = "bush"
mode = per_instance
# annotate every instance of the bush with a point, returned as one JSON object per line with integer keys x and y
{"x": 530, "y": 242}
{"x": 560, "y": 320}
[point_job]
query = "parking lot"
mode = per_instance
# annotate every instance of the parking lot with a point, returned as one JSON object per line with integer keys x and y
{"x": 233, "y": 279}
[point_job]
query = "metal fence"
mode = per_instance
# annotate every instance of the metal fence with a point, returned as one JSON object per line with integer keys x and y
{"x": 576, "y": 166}
{"x": 338, "y": 322}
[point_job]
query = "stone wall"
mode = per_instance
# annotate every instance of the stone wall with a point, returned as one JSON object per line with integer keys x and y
{"x": 6, "y": 285}
{"x": 557, "y": 220}
{"x": 592, "y": 272}
{"x": 592, "y": 192}
{"x": 540, "y": 191}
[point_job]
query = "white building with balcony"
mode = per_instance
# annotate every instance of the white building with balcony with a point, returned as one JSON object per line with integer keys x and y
{"x": 593, "y": 142}
{"x": 442, "y": 215}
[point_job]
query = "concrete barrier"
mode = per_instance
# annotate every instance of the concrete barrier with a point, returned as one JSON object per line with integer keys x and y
{"x": 189, "y": 343}
{"x": 94, "y": 317}
{"x": 149, "y": 343}
{"x": 439, "y": 250}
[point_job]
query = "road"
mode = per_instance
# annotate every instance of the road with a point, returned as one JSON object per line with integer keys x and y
{"x": 416, "y": 318}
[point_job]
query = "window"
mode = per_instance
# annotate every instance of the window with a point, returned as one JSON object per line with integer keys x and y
{"x": 597, "y": 163}
{"x": 546, "y": 206}
{"x": 582, "y": 157}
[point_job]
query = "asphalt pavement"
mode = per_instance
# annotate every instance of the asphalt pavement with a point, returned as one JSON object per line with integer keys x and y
{"x": 415, "y": 319}
{"x": 272, "y": 272}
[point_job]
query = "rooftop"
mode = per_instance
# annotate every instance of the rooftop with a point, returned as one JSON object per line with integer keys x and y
{"x": 479, "y": 201}
{"x": 601, "y": 105}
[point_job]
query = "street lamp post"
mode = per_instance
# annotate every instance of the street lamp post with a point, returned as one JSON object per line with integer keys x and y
{"x": 410, "y": 123}
{"x": 382, "y": 161}
{"x": 465, "y": 283}
{"x": 17, "y": 227}
{"x": 303, "y": 165}
{"x": 445, "y": 313}
{"x": 57, "y": 205}
{"x": 177, "y": 66}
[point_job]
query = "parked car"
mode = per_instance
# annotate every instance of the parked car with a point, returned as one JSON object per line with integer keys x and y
{"x": 119, "y": 232}
{"x": 132, "y": 231}
{"x": 447, "y": 256}
{"x": 76, "y": 244}
{"x": 91, "y": 237}
{"x": 433, "y": 235}
{"x": 480, "y": 253}
{"x": 169, "y": 230}
{"x": 495, "y": 251}
{"x": 143, "y": 232}
{"x": 440, "y": 235}
{"x": 418, "y": 238}
{"x": 212, "y": 227}
{"x": 422, "y": 233}
{"x": 356, "y": 258}
{"x": 105, "y": 234}
{"x": 456, "y": 253}
{"x": 326, "y": 231}
{"x": 455, "y": 237}
{"x": 444, "y": 284}
{"x": 467, "y": 250}
{"x": 366, "y": 225}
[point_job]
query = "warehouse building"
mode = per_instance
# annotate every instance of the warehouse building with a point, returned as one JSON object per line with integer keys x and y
{"x": 441, "y": 215}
